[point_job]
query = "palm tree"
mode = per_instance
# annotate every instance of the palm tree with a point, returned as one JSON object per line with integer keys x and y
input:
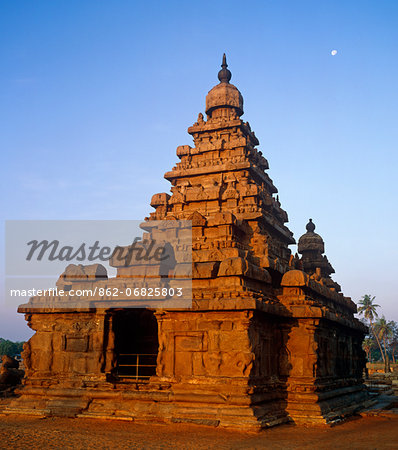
{"x": 368, "y": 309}
{"x": 394, "y": 340}
{"x": 384, "y": 330}
{"x": 367, "y": 346}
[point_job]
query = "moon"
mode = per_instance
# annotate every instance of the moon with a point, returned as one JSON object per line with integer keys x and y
{"x": 333, "y": 52}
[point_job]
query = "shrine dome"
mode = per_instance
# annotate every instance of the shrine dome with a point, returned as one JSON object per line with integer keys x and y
{"x": 224, "y": 94}
{"x": 310, "y": 241}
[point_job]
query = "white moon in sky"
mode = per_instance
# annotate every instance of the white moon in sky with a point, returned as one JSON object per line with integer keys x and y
{"x": 333, "y": 52}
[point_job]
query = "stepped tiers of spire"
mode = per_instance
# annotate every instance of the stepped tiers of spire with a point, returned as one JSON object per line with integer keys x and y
{"x": 221, "y": 185}
{"x": 269, "y": 338}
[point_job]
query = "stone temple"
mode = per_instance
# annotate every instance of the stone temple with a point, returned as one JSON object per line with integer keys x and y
{"x": 269, "y": 337}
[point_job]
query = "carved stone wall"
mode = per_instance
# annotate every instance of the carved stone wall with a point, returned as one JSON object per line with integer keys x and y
{"x": 67, "y": 346}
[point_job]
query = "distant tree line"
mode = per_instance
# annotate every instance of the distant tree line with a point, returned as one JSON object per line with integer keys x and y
{"x": 10, "y": 348}
{"x": 381, "y": 344}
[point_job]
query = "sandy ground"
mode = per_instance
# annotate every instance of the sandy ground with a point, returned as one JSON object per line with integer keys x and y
{"x": 17, "y": 432}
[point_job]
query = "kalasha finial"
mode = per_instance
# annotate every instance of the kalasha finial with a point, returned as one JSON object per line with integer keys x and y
{"x": 224, "y": 75}
{"x": 310, "y": 226}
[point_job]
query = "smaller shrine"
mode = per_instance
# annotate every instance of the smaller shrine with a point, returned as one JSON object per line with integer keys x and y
{"x": 313, "y": 261}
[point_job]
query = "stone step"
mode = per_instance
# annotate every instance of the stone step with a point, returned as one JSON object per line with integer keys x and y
{"x": 104, "y": 417}
{"x": 385, "y": 404}
{"x": 26, "y": 411}
{"x": 379, "y": 388}
{"x": 381, "y": 381}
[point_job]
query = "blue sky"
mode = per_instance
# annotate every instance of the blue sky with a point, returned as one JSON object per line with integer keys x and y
{"x": 97, "y": 95}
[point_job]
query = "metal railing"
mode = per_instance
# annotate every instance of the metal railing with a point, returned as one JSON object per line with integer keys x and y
{"x": 138, "y": 366}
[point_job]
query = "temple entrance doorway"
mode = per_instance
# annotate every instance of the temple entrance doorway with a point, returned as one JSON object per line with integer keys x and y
{"x": 136, "y": 343}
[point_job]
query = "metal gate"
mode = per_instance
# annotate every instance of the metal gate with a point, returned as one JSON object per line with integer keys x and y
{"x": 137, "y": 366}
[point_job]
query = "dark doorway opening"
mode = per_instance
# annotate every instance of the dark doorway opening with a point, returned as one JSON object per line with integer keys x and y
{"x": 136, "y": 343}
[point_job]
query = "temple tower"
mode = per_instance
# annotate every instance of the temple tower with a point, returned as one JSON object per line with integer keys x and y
{"x": 221, "y": 185}
{"x": 269, "y": 337}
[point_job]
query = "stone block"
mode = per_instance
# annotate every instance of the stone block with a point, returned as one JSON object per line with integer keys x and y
{"x": 232, "y": 266}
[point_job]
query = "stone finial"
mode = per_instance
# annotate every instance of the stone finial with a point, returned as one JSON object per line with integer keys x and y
{"x": 224, "y": 97}
{"x": 224, "y": 75}
{"x": 310, "y": 227}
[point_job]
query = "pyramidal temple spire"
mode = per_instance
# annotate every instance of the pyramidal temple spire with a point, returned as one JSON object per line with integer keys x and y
{"x": 224, "y": 75}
